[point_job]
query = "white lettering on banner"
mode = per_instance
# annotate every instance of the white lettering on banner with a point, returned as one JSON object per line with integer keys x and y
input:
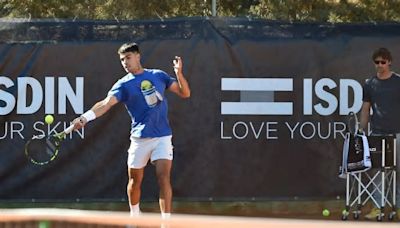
{"x": 307, "y": 97}
{"x": 38, "y": 127}
{"x": 256, "y": 108}
{"x": 55, "y": 128}
{"x": 15, "y": 129}
{"x": 321, "y": 89}
{"x": 236, "y": 130}
{"x": 240, "y": 130}
{"x": 257, "y": 97}
{"x": 37, "y": 95}
{"x": 67, "y": 92}
{"x": 6, "y": 97}
{"x": 24, "y": 84}
{"x": 272, "y": 129}
{"x": 309, "y": 130}
{"x": 49, "y": 97}
{"x": 12, "y": 129}
{"x": 345, "y": 85}
{"x": 325, "y": 96}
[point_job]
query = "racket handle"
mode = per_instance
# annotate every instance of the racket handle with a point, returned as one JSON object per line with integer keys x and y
{"x": 69, "y": 129}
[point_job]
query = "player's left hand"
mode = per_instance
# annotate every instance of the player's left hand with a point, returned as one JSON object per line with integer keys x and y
{"x": 177, "y": 64}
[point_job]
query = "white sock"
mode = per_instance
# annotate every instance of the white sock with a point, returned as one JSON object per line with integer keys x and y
{"x": 165, "y": 215}
{"x": 135, "y": 209}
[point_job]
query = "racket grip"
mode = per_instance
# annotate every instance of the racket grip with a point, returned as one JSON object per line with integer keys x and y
{"x": 69, "y": 129}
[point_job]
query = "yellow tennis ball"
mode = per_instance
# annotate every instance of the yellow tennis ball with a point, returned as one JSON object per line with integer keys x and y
{"x": 44, "y": 224}
{"x": 49, "y": 119}
{"x": 326, "y": 212}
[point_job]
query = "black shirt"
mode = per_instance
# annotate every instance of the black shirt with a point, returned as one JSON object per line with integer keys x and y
{"x": 384, "y": 96}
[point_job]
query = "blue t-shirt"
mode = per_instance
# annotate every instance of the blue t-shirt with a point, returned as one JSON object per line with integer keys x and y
{"x": 143, "y": 96}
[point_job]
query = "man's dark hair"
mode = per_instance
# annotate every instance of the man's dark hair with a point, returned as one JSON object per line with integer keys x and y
{"x": 383, "y": 53}
{"x": 129, "y": 47}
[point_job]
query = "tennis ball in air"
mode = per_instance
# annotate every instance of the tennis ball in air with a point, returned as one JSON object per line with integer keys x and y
{"x": 49, "y": 119}
{"x": 145, "y": 84}
{"x": 326, "y": 212}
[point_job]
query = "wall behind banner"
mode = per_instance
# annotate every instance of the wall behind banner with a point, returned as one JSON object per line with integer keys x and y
{"x": 265, "y": 119}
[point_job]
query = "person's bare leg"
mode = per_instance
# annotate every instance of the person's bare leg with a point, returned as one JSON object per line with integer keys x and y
{"x": 163, "y": 173}
{"x": 135, "y": 177}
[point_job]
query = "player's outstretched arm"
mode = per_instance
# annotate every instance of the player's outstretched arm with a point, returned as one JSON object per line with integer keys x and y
{"x": 99, "y": 109}
{"x": 181, "y": 87}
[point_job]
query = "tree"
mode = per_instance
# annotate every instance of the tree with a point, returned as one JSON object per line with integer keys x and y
{"x": 285, "y": 10}
{"x": 292, "y": 10}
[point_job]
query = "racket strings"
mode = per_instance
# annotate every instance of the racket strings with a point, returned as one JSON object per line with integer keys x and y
{"x": 352, "y": 123}
{"x": 50, "y": 147}
{"x": 41, "y": 150}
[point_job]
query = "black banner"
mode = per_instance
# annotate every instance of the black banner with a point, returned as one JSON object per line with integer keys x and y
{"x": 265, "y": 119}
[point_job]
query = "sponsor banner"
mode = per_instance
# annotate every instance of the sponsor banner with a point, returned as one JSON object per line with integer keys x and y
{"x": 265, "y": 120}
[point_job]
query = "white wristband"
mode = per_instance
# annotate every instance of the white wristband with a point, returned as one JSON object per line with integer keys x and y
{"x": 89, "y": 115}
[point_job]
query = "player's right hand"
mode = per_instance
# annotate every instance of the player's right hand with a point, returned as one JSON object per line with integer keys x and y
{"x": 79, "y": 122}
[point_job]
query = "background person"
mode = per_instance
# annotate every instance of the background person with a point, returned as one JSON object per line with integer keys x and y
{"x": 381, "y": 93}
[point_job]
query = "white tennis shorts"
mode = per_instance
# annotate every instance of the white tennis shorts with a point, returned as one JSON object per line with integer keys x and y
{"x": 143, "y": 149}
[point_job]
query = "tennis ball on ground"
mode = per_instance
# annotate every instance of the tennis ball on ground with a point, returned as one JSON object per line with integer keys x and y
{"x": 49, "y": 119}
{"x": 44, "y": 224}
{"x": 326, "y": 212}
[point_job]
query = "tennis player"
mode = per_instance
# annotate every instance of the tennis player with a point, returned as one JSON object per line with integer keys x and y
{"x": 382, "y": 93}
{"x": 141, "y": 90}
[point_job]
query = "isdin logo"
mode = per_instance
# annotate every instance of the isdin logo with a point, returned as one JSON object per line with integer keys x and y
{"x": 27, "y": 95}
{"x": 257, "y": 96}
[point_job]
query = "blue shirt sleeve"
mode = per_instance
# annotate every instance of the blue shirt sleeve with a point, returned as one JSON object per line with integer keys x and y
{"x": 118, "y": 91}
{"x": 168, "y": 80}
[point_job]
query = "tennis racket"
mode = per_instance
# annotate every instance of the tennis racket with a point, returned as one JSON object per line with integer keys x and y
{"x": 353, "y": 125}
{"x": 41, "y": 150}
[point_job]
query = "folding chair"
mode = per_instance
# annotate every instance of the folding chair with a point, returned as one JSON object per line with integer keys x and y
{"x": 377, "y": 185}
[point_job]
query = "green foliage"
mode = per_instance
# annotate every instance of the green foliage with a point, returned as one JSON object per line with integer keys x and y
{"x": 328, "y": 10}
{"x": 293, "y": 10}
{"x": 102, "y": 9}
{"x": 286, "y": 10}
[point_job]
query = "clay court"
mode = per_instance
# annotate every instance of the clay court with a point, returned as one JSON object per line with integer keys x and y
{"x": 52, "y": 217}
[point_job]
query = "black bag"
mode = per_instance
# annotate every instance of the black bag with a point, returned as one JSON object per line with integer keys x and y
{"x": 356, "y": 155}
